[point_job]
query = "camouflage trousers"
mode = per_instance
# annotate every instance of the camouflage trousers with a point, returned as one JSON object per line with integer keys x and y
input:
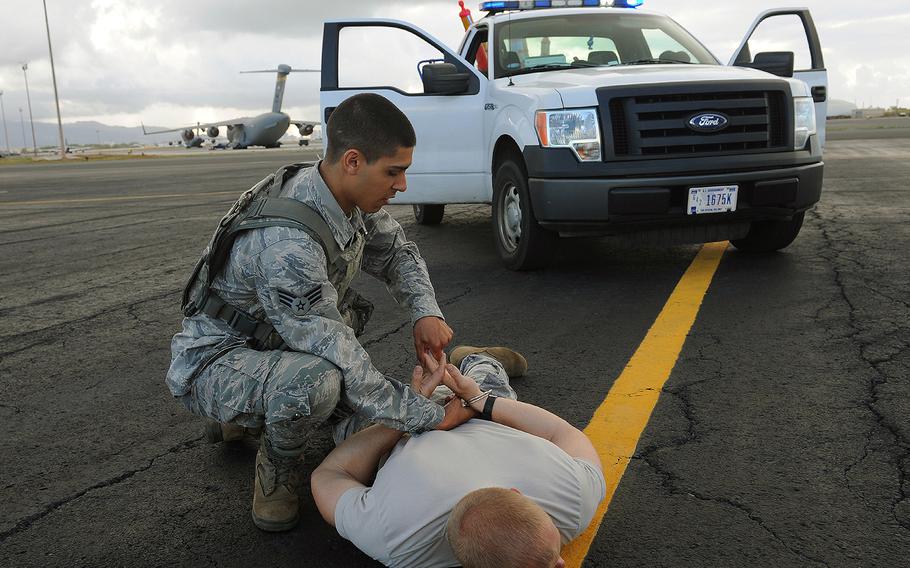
{"x": 290, "y": 394}
{"x": 286, "y": 393}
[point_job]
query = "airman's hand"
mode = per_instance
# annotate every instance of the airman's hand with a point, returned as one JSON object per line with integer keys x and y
{"x": 464, "y": 387}
{"x": 455, "y": 413}
{"x": 426, "y": 382}
{"x": 431, "y": 334}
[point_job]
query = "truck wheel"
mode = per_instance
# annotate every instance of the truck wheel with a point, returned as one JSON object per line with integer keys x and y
{"x": 429, "y": 214}
{"x": 769, "y": 236}
{"x": 521, "y": 242}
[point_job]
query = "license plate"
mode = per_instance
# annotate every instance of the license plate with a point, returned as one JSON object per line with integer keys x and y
{"x": 714, "y": 199}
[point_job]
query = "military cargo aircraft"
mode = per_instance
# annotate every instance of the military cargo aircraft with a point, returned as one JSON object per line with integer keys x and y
{"x": 261, "y": 130}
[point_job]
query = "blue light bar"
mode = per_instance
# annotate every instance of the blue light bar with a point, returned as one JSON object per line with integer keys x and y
{"x": 504, "y": 5}
{"x": 627, "y": 3}
{"x": 499, "y": 6}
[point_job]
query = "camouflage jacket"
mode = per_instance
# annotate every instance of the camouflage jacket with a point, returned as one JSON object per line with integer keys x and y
{"x": 279, "y": 274}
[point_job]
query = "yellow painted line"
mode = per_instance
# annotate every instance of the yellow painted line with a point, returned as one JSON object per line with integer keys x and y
{"x": 619, "y": 421}
{"x": 120, "y": 198}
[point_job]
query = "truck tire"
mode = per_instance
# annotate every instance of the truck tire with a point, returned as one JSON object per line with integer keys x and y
{"x": 769, "y": 236}
{"x": 429, "y": 214}
{"x": 521, "y": 242}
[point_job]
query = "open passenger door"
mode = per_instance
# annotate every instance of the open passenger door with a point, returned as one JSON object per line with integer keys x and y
{"x": 440, "y": 92}
{"x": 794, "y": 29}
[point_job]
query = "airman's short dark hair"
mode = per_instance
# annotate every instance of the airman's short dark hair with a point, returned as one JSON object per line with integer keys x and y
{"x": 370, "y": 123}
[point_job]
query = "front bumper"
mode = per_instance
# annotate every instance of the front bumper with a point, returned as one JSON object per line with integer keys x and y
{"x": 612, "y": 205}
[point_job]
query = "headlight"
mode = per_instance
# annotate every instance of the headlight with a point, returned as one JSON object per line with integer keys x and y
{"x": 576, "y": 129}
{"x": 803, "y": 121}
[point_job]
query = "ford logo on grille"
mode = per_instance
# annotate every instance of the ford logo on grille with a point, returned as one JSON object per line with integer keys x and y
{"x": 708, "y": 122}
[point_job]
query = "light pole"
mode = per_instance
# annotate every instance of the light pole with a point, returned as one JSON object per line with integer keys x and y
{"x": 54, "y": 77}
{"x": 28, "y": 97}
{"x": 5, "y": 131}
{"x": 22, "y": 124}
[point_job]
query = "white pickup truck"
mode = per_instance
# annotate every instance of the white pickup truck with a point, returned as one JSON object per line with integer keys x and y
{"x": 595, "y": 120}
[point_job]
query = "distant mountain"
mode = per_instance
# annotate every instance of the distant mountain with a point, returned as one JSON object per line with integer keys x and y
{"x": 840, "y": 108}
{"x": 83, "y": 132}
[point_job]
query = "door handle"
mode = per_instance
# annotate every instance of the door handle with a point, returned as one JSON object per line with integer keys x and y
{"x": 819, "y": 94}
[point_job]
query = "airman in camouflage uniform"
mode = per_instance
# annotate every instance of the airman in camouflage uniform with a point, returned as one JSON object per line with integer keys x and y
{"x": 281, "y": 275}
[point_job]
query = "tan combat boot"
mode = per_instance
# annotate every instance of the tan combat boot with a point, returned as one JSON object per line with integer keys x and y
{"x": 513, "y": 362}
{"x": 217, "y": 432}
{"x": 275, "y": 500}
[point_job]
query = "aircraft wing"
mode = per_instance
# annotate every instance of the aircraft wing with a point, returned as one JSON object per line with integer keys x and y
{"x": 305, "y": 127}
{"x": 233, "y": 122}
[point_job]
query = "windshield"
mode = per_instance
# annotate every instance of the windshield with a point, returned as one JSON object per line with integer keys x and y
{"x": 592, "y": 40}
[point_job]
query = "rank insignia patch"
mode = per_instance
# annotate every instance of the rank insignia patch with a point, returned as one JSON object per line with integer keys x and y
{"x": 300, "y": 305}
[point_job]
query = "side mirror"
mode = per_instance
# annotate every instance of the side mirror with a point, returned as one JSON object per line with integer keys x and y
{"x": 444, "y": 79}
{"x": 778, "y": 63}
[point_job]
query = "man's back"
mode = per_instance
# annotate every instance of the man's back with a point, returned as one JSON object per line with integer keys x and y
{"x": 401, "y": 519}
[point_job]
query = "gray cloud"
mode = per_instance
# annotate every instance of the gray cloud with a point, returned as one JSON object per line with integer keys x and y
{"x": 118, "y": 57}
{"x": 169, "y": 61}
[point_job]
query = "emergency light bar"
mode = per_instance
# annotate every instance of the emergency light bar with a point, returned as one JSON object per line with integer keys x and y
{"x": 504, "y": 5}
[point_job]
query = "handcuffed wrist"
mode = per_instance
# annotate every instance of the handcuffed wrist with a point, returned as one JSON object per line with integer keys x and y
{"x": 475, "y": 400}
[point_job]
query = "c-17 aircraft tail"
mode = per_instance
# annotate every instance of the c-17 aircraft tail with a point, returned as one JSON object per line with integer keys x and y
{"x": 283, "y": 71}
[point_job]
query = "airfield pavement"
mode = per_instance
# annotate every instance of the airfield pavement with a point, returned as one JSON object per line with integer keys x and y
{"x": 781, "y": 438}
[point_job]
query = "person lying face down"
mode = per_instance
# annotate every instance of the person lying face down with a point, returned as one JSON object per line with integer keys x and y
{"x": 505, "y": 489}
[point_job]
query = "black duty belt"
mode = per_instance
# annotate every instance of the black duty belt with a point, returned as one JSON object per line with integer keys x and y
{"x": 263, "y": 335}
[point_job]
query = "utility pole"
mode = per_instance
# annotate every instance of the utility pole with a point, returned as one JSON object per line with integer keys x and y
{"x": 5, "y": 131}
{"x": 54, "y": 77}
{"x": 28, "y": 97}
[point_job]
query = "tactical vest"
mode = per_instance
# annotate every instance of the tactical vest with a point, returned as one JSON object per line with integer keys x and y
{"x": 259, "y": 206}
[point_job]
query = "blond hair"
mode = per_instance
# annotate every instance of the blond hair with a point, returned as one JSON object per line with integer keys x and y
{"x": 496, "y": 527}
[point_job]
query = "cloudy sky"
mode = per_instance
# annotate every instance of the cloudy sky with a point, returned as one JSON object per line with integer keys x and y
{"x": 175, "y": 62}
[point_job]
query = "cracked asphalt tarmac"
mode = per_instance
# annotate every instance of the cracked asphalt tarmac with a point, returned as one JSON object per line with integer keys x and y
{"x": 781, "y": 439}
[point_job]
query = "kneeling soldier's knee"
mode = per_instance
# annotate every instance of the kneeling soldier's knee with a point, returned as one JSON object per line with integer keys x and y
{"x": 309, "y": 392}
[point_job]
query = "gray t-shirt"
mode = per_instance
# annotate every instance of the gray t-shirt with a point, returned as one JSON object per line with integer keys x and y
{"x": 401, "y": 519}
